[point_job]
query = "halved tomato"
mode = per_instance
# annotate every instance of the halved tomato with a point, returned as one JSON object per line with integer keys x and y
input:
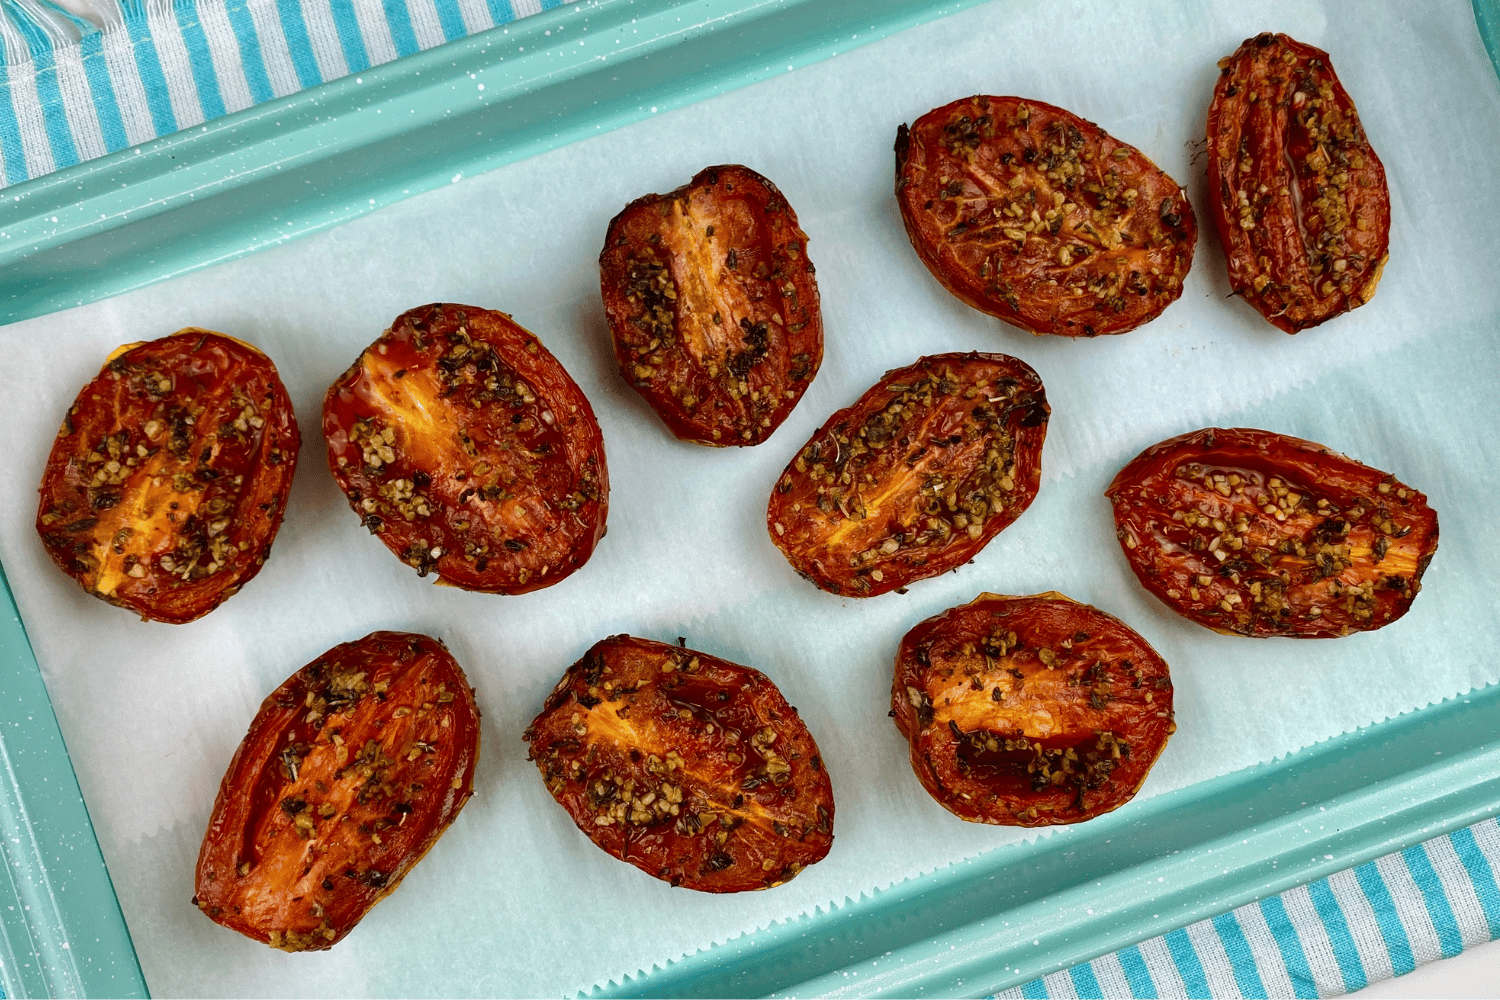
{"x": 691, "y": 768}
{"x": 916, "y": 477}
{"x": 1029, "y": 213}
{"x": 350, "y": 772}
{"x": 167, "y": 483}
{"x": 1300, "y": 198}
{"x": 1254, "y": 533}
{"x": 713, "y": 307}
{"x": 1030, "y": 711}
{"x": 468, "y": 450}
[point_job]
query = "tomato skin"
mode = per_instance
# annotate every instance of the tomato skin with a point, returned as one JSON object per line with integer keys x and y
{"x": 712, "y": 306}
{"x": 168, "y": 481}
{"x": 1299, "y": 196}
{"x": 926, "y": 467}
{"x": 493, "y": 473}
{"x": 994, "y": 694}
{"x": 736, "y": 795}
{"x": 351, "y": 771}
{"x": 1342, "y": 550}
{"x": 1088, "y": 262}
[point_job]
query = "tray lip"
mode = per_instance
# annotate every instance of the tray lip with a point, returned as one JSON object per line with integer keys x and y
{"x": 45, "y": 792}
{"x": 1487, "y": 18}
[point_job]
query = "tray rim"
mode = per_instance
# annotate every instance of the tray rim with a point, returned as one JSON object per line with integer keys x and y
{"x": 156, "y": 168}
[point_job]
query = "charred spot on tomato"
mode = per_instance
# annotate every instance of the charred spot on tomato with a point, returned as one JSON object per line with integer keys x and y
{"x": 164, "y": 488}
{"x": 1299, "y": 196}
{"x": 691, "y": 768}
{"x": 713, "y": 307}
{"x": 465, "y": 446}
{"x": 351, "y": 771}
{"x": 916, "y": 477}
{"x": 1250, "y": 532}
{"x": 1030, "y": 711}
{"x": 1029, "y": 213}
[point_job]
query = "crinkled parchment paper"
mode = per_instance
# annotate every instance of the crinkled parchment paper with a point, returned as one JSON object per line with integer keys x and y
{"x": 513, "y": 900}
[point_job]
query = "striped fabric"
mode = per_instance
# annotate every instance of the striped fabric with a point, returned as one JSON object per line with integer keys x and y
{"x": 97, "y": 76}
{"x": 1337, "y": 935}
{"x": 106, "y": 74}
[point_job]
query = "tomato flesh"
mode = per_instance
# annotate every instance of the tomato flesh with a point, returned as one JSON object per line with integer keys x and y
{"x": 713, "y": 307}
{"x": 469, "y": 451}
{"x": 1299, "y": 196}
{"x": 916, "y": 477}
{"x": 1254, "y": 533}
{"x": 351, "y": 771}
{"x": 1030, "y": 711}
{"x": 168, "y": 481}
{"x": 1032, "y": 214}
{"x": 691, "y": 768}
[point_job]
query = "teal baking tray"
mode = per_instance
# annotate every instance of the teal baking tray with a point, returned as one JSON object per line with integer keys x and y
{"x": 321, "y": 157}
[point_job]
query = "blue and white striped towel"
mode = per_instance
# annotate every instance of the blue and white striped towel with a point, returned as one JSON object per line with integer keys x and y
{"x": 106, "y": 74}
{"x": 1336, "y": 935}
{"x": 100, "y": 75}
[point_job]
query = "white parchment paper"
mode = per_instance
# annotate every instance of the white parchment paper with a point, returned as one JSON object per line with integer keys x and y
{"x": 513, "y": 900}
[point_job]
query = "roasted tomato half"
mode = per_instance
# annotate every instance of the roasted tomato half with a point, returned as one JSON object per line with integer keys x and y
{"x": 916, "y": 477}
{"x": 713, "y": 307}
{"x": 1031, "y": 214}
{"x": 1299, "y": 197}
{"x": 468, "y": 450}
{"x": 351, "y": 771}
{"x": 168, "y": 480}
{"x": 1030, "y": 711}
{"x": 691, "y": 768}
{"x": 1254, "y": 533}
